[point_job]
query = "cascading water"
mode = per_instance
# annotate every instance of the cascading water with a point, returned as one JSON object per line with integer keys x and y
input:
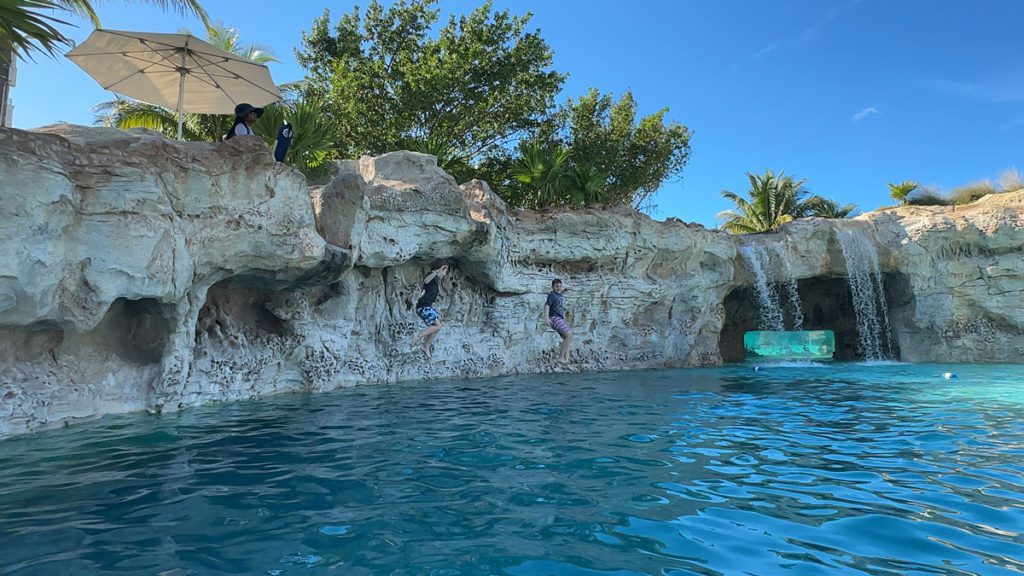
{"x": 865, "y": 279}
{"x": 792, "y": 291}
{"x": 769, "y": 311}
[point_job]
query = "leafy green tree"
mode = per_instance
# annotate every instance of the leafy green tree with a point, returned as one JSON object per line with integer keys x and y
{"x": 479, "y": 84}
{"x": 827, "y": 208}
{"x": 637, "y": 155}
{"x": 773, "y": 201}
{"x": 902, "y": 191}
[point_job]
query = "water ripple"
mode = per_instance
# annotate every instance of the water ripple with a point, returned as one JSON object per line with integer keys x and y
{"x": 883, "y": 469}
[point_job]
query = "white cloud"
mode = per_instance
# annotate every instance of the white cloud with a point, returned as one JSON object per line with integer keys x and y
{"x": 864, "y": 113}
{"x": 808, "y": 34}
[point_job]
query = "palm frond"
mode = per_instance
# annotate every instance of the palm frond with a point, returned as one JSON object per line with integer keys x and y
{"x": 24, "y": 30}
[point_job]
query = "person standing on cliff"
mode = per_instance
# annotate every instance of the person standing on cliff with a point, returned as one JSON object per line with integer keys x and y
{"x": 245, "y": 116}
{"x": 554, "y": 310}
{"x": 425, "y": 307}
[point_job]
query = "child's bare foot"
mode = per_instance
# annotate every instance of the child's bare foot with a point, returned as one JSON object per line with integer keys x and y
{"x": 426, "y": 352}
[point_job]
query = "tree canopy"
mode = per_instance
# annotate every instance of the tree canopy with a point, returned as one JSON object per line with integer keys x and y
{"x": 480, "y": 83}
{"x": 635, "y": 155}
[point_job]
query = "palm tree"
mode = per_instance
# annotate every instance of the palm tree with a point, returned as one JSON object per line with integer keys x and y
{"x": 902, "y": 191}
{"x": 827, "y": 208}
{"x": 774, "y": 200}
{"x": 24, "y": 30}
{"x": 314, "y": 132}
{"x": 546, "y": 175}
{"x": 127, "y": 114}
{"x": 588, "y": 187}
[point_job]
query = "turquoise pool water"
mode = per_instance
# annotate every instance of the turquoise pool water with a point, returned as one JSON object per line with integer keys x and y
{"x": 844, "y": 469}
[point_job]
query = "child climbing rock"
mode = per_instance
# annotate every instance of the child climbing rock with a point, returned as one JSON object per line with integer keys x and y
{"x": 425, "y": 307}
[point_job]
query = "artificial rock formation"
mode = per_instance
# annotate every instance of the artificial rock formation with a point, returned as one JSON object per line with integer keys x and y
{"x": 141, "y": 273}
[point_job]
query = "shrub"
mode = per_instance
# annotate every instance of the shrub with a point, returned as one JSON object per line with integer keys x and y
{"x": 1010, "y": 181}
{"x": 927, "y": 197}
{"x": 971, "y": 192}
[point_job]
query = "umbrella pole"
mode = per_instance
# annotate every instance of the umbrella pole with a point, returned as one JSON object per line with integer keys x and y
{"x": 181, "y": 92}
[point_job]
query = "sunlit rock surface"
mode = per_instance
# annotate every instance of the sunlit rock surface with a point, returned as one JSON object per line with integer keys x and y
{"x": 141, "y": 273}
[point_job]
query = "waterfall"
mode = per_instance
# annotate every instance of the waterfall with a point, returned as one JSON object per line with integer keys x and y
{"x": 769, "y": 311}
{"x": 792, "y": 291}
{"x": 865, "y": 279}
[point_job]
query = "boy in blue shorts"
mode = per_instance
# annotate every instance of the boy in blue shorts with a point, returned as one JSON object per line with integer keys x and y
{"x": 554, "y": 310}
{"x": 425, "y": 307}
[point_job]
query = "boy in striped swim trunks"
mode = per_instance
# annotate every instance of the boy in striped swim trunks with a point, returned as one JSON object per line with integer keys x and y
{"x": 554, "y": 309}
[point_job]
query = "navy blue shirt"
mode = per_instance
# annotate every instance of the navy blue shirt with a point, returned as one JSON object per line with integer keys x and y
{"x": 556, "y": 305}
{"x": 429, "y": 294}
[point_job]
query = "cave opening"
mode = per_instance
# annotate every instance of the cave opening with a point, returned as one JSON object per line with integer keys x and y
{"x": 826, "y": 303}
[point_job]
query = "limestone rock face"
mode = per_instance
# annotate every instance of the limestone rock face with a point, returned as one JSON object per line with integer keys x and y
{"x": 141, "y": 273}
{"x": 109, "y": 241}
{"x": 963, "y": 269}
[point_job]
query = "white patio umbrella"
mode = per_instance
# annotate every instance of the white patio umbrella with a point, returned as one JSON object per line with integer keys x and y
{"x": 176, "y": 71}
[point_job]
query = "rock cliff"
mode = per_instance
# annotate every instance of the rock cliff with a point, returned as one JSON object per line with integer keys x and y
{"x": 140, "y": 273}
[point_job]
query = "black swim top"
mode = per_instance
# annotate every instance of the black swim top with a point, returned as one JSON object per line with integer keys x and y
{"x": 429, "y": 294}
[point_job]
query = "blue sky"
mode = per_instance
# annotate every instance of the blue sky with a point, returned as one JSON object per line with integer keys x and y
{"x": 848, "y": 94}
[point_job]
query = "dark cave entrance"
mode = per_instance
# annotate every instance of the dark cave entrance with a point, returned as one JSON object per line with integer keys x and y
{"x": 826, "y": 304}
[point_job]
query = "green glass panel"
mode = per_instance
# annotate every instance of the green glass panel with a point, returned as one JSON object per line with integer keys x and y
{"x": 790, "y": 345}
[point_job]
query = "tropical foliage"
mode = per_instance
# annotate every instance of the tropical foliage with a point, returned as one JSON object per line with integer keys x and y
{"x": 128, "y": 114}
{"x": 822, "y": 207}
{"x": 549, "y": 177}
{"x": 1011, "y": 181}
{"x": 546, "y": 175}
{"x": 314, "y": 133}
{"x": 480, "y": 83}
{"x": 636, "y": 155}
{"x": 972, "y": 192}
{"x": 927, "y": 197}
{"x": 902, "y": 191}
{"x": 25, "y": 28}
{"x": 611, "y": 157}
{"x": 479, "y": 92}
{"x": 774, "y": 200}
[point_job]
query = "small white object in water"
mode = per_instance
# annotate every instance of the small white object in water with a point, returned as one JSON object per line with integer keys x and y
{"x": 949, "y": 375}
{"x": 757, "y": 368}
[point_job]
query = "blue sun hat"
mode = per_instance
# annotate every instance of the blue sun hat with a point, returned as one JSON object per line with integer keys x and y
{"x": 242, "y": 109}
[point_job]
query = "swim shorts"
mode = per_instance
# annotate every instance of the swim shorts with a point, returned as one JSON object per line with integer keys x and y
{"x": 428, "y": 315}
{"x": 559, "y": 324}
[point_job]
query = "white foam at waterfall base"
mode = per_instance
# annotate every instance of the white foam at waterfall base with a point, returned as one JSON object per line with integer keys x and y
{"x": 865, "y": 280}
{"x": 768, "y": 309}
